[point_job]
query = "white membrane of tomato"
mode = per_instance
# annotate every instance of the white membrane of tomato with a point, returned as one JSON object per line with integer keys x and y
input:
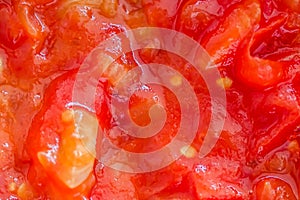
{"x": 2, "y": 61}
{"x": 79, "y": 157}
{"x": 1, "y": 66}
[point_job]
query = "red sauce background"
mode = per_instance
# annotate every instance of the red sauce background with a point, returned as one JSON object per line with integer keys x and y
{"x": 256, "y": 44}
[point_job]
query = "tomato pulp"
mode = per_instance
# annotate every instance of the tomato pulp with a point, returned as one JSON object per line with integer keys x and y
{"x": 48, "y": 143}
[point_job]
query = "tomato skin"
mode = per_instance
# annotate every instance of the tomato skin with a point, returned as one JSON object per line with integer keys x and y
{"x": 221, "y": 39}
{"x": 254, "y": 71}
{"x": 258, "y": 73}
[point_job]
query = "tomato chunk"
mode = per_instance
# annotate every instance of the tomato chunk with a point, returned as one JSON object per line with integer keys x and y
{"x": 58, "y": 142}
{"x": 254, "y": 71}
{"x": 274, "y": 188}
{"x": 236, "y": 25}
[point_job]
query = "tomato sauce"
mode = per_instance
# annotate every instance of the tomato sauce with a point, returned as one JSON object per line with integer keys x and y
{"x": 49, "y": 144}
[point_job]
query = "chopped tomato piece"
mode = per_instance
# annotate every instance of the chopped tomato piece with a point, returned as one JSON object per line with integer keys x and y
{"x": 273, "y": 188}
{"x": 196, "y": 16}
{"x": 62, "y": 142}
{"x": 237, "y": 23}
{"x": 32, "y": 22}
{"x": 112, "y": 184}
{"x": 12, "y": 33}
{"x": 255, "y": 71}
{"x": 160, "y": 12}
{"x": 280, "y": 116}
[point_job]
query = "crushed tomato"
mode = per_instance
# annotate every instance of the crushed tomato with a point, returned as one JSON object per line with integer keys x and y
{"x": 45, "y": 154}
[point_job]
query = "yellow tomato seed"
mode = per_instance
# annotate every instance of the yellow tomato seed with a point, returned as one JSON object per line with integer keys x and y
{"x": 1, "y": 66}
{"x": 225, "y": 82}
{"x": 276, "y": 163}
{"x": 109, "y": 8}
{"x": 188, "y": 151}
{"x": 12, "y": 187}
{"x": 67, "y": 116}
{"x": 25, "y": 192}
{"x": 293, "y": 146}
{"x": 176, "y": 80}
